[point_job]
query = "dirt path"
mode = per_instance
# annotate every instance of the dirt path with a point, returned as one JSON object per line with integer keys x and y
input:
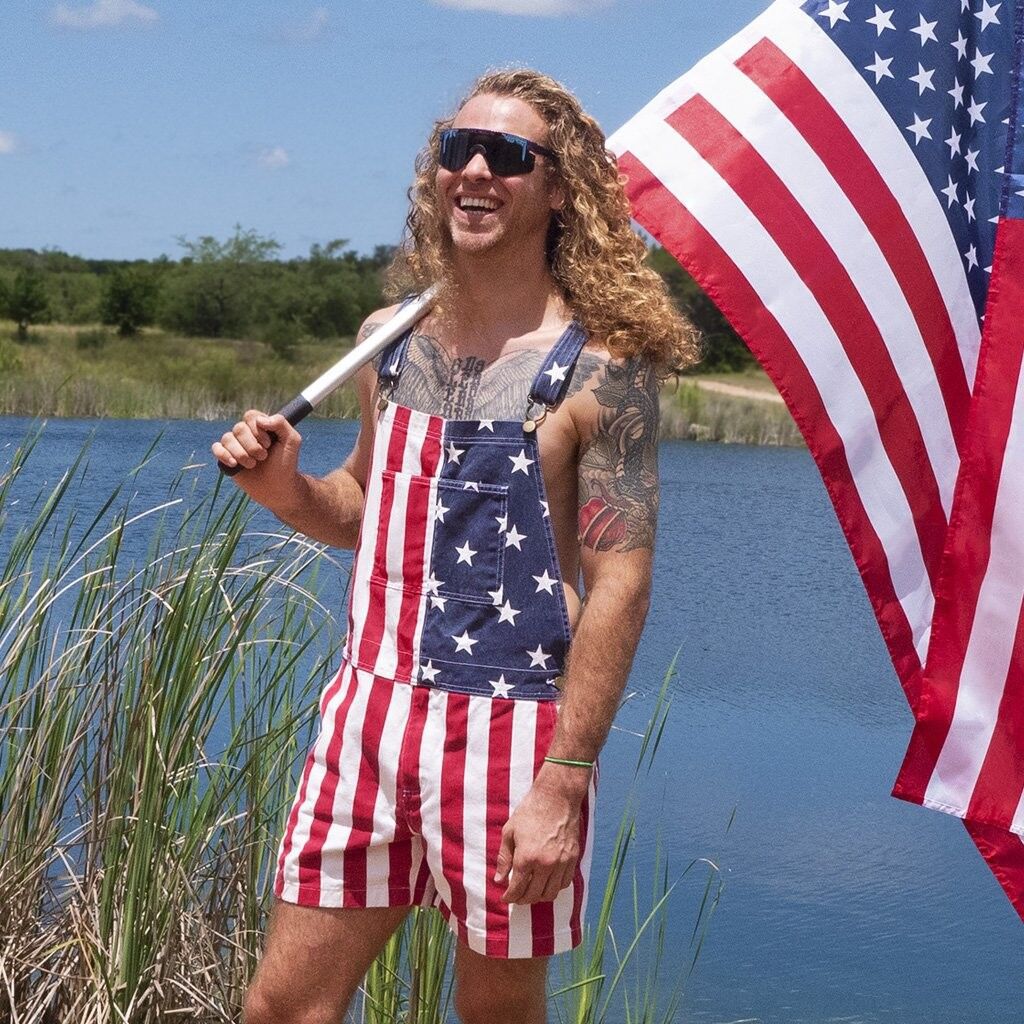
{"x": 736, "y": 391}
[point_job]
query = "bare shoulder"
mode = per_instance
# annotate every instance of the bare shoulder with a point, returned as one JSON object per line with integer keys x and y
{"x": 606, "y": 386}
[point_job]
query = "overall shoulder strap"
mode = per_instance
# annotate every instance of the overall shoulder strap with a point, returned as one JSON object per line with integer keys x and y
{"x": 553, "y": 376}
{"x": 392, "y": 358}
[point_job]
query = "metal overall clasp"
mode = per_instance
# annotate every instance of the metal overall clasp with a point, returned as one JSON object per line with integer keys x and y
{"x": 532, "y": 420}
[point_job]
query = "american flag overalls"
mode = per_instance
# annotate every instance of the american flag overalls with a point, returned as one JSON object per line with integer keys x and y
{"x": 446, "y": 701}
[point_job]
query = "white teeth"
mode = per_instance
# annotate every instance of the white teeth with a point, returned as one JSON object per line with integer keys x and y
{"x": 467, "y": 203}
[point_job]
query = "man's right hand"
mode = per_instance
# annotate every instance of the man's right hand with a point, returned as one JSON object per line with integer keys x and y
{"x": 270, "y": 469}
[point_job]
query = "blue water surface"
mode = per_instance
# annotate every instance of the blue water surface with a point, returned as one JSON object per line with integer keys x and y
{"x": 787, "y": 727}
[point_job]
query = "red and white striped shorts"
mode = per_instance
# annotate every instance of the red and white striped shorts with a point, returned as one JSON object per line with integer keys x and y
{"x": 402, "y": 802}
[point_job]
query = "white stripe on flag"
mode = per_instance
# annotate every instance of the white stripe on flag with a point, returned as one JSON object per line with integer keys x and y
{"x": 474, "y": 817}
{"x": 524, "y": 735}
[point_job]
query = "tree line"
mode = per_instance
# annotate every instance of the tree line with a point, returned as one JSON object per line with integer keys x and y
{"x": 240, "y": 287}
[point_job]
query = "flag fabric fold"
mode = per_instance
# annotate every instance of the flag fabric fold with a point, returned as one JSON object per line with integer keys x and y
{"x": 833, "y": 177}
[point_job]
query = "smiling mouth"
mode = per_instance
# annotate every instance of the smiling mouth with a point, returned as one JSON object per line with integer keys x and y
{"x": 469, "y": 204}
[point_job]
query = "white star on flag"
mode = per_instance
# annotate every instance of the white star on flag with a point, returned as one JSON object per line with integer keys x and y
{"x": 466, "y": 553}
{"x": 957, "y": 92}
{"x": 538, "y": 658}
{"x": 880, "y": 69}
{"x": 882, "y": 20}
{"x": 987, "y": 14}
{"x": 520, "y": 463}
{"x": 972, "y": 257}
{"x": 439, "y": 511}
{"x": 464, "y": 642}
{"x": 982, "y": 63}
{"x": 428, "y": 672}
{"x": 556, "y": 373}
{"x": 969, "y": 208}
{"x": 920, "y": 129}
{"x": 950, "y": 192}
{"x": 926, "y": 30}
{"x": 960, "y": 45}
{"x": 975, "y": 110}
{"x": 496, "y": 596}
{"x": 835, "y": 12}
{"x": 437, "y": 602}
{"x": 545, "y": 583}
{"x": 923, "y": 79}
{"x": 434, "y": 584}
{"x": 953, "y": 142}
{"x": 513, "y": 537}
{"x": 971, "y": 156}
{"x": 506, "y": 613}
{"x": 454, "y": 454}
{"x": 501, "y": 688}
{"x": 486, "y": 425}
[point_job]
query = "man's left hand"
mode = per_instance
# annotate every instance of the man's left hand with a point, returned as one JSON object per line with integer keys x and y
{"x": 540, "y": 843}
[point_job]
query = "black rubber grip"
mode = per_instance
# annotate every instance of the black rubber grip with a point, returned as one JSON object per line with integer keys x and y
{"x": 294, "y": 412}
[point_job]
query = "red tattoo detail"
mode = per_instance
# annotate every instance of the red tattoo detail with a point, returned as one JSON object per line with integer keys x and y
{"x": 602, "y": 526}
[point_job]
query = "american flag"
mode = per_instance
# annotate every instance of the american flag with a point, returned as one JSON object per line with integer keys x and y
{"x": 834, "y": 177}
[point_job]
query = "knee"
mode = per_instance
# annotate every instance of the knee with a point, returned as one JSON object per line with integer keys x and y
{"x": 497, "y": 1004}
{"x": 265, "y": 1006}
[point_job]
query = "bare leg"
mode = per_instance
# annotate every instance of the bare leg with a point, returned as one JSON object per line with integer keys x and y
{"x": 314, "y": 960}
{"x": 489, "y": 990}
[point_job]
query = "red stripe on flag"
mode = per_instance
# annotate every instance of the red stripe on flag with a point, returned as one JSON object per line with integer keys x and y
{"x": 499, "y": 764}
{"x": 1004, "y": 854}
{"x": 855, "y": 173}
{"x": 661, "y": 213}
{"x": 752, "y": 178}
{"x": 453, "y": 799}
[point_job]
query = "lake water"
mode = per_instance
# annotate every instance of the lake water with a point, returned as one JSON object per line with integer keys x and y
{"x": 840, "y": 904}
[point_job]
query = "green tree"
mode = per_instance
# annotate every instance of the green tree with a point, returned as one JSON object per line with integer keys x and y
{"x": 129, "y": 300}
{"x": 26, "y": 302}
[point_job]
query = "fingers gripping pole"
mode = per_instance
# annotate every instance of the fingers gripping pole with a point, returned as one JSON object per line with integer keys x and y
{"x": 345, "y": 368}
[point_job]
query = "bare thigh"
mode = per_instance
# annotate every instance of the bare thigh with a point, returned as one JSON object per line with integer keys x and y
{"x": 489, "y": 990}
{"x": 315, "y": 959}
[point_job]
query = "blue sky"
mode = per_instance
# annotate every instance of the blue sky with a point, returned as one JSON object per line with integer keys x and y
{"x": 124, "y": 123}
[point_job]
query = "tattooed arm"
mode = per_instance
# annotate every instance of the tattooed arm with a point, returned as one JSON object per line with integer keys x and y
{"x": 618, "y": 510}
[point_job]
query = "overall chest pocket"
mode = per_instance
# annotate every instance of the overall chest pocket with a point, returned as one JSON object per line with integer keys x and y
{"x": 441, "y": 537}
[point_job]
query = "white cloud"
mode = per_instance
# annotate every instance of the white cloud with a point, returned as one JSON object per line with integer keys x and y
{"x": 274, "y": 158}
{"x": 8, "y": 142}
{"x": 535, "y": 8}
{"x": 102, "y": 14}
{"x": 314, "y": 26}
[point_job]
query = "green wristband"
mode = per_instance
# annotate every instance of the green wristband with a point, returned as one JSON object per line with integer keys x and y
{"x": 569, "y": 763}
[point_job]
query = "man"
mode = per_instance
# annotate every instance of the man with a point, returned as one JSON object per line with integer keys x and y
{"x": 507, "y": 446}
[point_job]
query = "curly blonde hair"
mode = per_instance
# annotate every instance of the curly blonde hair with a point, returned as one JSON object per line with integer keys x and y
{"x": 593, "y": 253}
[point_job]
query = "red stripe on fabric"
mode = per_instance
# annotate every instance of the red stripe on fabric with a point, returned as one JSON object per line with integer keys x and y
{"x": 293, "y": 817}
{"x": 542, "y": 915}
{"x": 409, "y": 759}
{"x": 752, "y": 178}
{"x": 1004, "y": 854}
{"x": 419, "y": 518}
{"x": 453, "y": 799}
{"x": 968, "y": 545}
{"x": 419, "y": 891}
{"x": 579, "y": 883}
{"x": 499, "y": 765}
{"x": 367, "y": 788}
{"x": 661, "y": 214}
{"x": 855, "y": 173}
{"x": 311, "y": 855}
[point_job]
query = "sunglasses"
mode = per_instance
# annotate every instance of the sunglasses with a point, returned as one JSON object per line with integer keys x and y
{"x": 506, "y": 155}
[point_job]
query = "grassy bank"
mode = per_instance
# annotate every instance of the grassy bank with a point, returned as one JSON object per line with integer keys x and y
{"x": 154, "y": 710}
{"x": 86, "y": 372}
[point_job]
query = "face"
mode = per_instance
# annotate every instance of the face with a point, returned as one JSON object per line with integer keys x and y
{"x": 522, "y": 204}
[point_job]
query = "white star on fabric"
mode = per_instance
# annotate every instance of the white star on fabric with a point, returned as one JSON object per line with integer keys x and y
{"x": 882, "y": 20}
{"x": 982, "y": 63}
{"x": 950, "y": 191}
{"x": 538, "y": 658}
{"x": 545, "y": 583}
{"x": 926, "y": 30}
{"x": 496, "y": 596}
{"x": 502, "y": 522}
{"x": 880, "y": 69}
{"x": 957, "y": 92}
{"x": 920, "y": 129}
{"x": 437, "y": 602}
{"x": 464, "y": 642}
{"x": 513, "y": 537}
{"x": 454, "y": 454}
{"x": 466, "y": 553}
{"x": 501, "y": 688}
{"x": 953, "y": 142}
{"x": 969, "y": 207}
{"x": 428, "y": 672}
{"x": 972, "y": 257}
{"x": 434, "y": 584}
{"x": 965, "y": 5}
{"x": 544, "y": 505}
{"x": 960, "y": 45}
{"x": 471, "y": 485}
{"x": 835, "y": 12}
{"x": 971, "y": 156}
{"x": 506, "y": 613}
{"x": 486, "y": 425}
{"x": 975, "y": 110}
{"x": 556, "y": 373}
{"x": 923, "y": 79}
{"x": 987, "y": 14}
{"x": 520, "y": 463}
{"x": 439, "y": 511}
